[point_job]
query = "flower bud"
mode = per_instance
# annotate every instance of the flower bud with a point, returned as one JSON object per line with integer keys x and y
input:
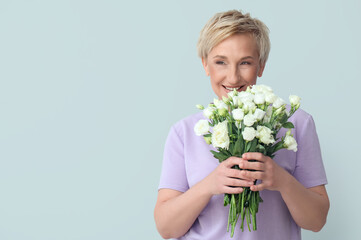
{"x": 294, "y": 100}
{"x": 200, "y": 107}
{"x": 225, "y": 100}
{"x": 222, "y": 112}
{"x": 208, "y": 140}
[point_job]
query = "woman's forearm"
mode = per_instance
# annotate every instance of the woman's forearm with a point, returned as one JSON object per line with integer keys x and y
{"x": 308, "y": 206}
{"x": 176, "y": 212}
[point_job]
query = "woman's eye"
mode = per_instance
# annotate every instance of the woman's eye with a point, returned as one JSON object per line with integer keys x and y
{"x": 245, "y": 63}
{"x": 220, "y": 63}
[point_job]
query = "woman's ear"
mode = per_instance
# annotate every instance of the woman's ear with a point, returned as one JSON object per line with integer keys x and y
{"x": 260, "y": 70}
{"x": 205, "y": 66}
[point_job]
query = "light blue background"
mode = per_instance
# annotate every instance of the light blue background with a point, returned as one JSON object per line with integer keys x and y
{"x": 89, "y": 90}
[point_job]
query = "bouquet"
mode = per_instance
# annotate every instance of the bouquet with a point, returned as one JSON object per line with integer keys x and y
{"x": 247, "y": 121}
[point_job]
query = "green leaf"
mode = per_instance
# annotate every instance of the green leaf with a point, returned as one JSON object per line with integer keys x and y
{"x": 275, "y": 148}
{"x": 208, "y": 135}
{"x": 283, "y": 119}
{"x": 260, "y": 148}
{"x": 248, "y": 146}
{"x": 288, "y": 125}
{"x": 226, "y": 199}
{"x": 238, "y": 147}
{"x": 219, "y": 155}
{"x": 231, "y": 147}
{"x": 253, "y": 145}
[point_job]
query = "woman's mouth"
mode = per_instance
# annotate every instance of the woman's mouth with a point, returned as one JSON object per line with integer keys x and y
{"x": 229, "y": 89}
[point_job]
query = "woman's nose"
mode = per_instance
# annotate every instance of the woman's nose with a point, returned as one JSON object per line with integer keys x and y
{"x": 233, "y": 76}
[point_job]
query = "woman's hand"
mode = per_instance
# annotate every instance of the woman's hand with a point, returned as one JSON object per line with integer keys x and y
{"x": 308, "y": 206}
{"x": 266, "y": 170}
{"x": 225, "y": 179}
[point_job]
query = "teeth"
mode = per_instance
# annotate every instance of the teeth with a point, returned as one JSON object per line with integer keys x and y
{"x": 232, "y": 89}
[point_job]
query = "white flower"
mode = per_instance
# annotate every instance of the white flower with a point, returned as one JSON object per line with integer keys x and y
{"x": 264, "y": 134}
{"x": 236, "y": 101}
{"x": 294, "y": 100}
{"x": 232, "y": 94}
{"x": 259, "y": 114}
{"x": 249, "y": 120}
{"x": 261, "y": 89}
{"x": 249, "y": 107}
{"x": 290, "y": 143}
{"x": 238, "y": 114}
{"x": 246, "y": 96}
{"x": 278, "y": 103}
{"x": 220, "y": 136}
{"x": 201, "y": 127}
{"x": 208, "y": 112}
{"x": 259, "y": 98}
{"x": 270, "y": 97}
{"x": 220, "y": 104}
{"x": 249, "y": 133}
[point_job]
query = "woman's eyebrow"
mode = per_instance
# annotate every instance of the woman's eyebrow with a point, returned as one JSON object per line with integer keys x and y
{"x": 224, "y": 57}
{"x": 247, "y": 57}
{"x": 220, "y": 56}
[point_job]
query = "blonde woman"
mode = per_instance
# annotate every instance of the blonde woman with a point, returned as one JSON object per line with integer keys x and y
{"x": 234, "y": 48}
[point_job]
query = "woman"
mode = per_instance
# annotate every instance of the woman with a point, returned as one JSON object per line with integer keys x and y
{"x": 234, "y": 49}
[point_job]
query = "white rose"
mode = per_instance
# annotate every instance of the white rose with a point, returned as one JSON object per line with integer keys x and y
{"x": 201, "y": 127}
{"x": 270, "y": 97}
{"x": 249, "y": 120}
{"x": 220, "y": 136}
{"x": 249, "y": 133}
{"x": 290, "y": 143}
{"x": 259, "y": 98}
{"x": 294, "y": 100}
{"x": 278, "y": 103}
{"x": 238, "y": 114}
{"x": 259, "y": 114}
{"x": 208, "y": 112}
{"x": 264, "y": 134}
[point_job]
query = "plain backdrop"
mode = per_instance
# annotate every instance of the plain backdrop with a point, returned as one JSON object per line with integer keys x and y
{"x": 90, "y": 88}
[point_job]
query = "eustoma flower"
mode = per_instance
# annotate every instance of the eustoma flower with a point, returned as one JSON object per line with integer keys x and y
{"x": 247, "y": 121}
{"x": 220, "y": 138}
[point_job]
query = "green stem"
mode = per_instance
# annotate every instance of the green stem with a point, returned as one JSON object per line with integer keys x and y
{"x": 248, "y": 218}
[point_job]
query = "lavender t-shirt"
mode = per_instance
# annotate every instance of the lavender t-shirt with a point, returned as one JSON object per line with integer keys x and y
{"x": 188, "y": 160}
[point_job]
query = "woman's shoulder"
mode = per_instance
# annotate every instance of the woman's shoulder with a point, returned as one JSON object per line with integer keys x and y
{"x": 186, "y": 124}
{"x": 300, "y": 117}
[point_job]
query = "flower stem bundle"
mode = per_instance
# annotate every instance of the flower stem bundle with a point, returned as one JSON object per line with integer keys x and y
{"x": 247, "y": 121}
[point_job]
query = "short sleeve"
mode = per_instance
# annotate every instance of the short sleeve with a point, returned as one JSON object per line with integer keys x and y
{"x": 173, "y": 173}
{"x": 309, "y": 170}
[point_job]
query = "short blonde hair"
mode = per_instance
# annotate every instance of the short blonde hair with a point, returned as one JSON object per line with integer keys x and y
{"x": 224, "y": 24}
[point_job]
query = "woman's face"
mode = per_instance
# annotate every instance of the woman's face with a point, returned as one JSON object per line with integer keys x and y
{"x": 233, "y": 63}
